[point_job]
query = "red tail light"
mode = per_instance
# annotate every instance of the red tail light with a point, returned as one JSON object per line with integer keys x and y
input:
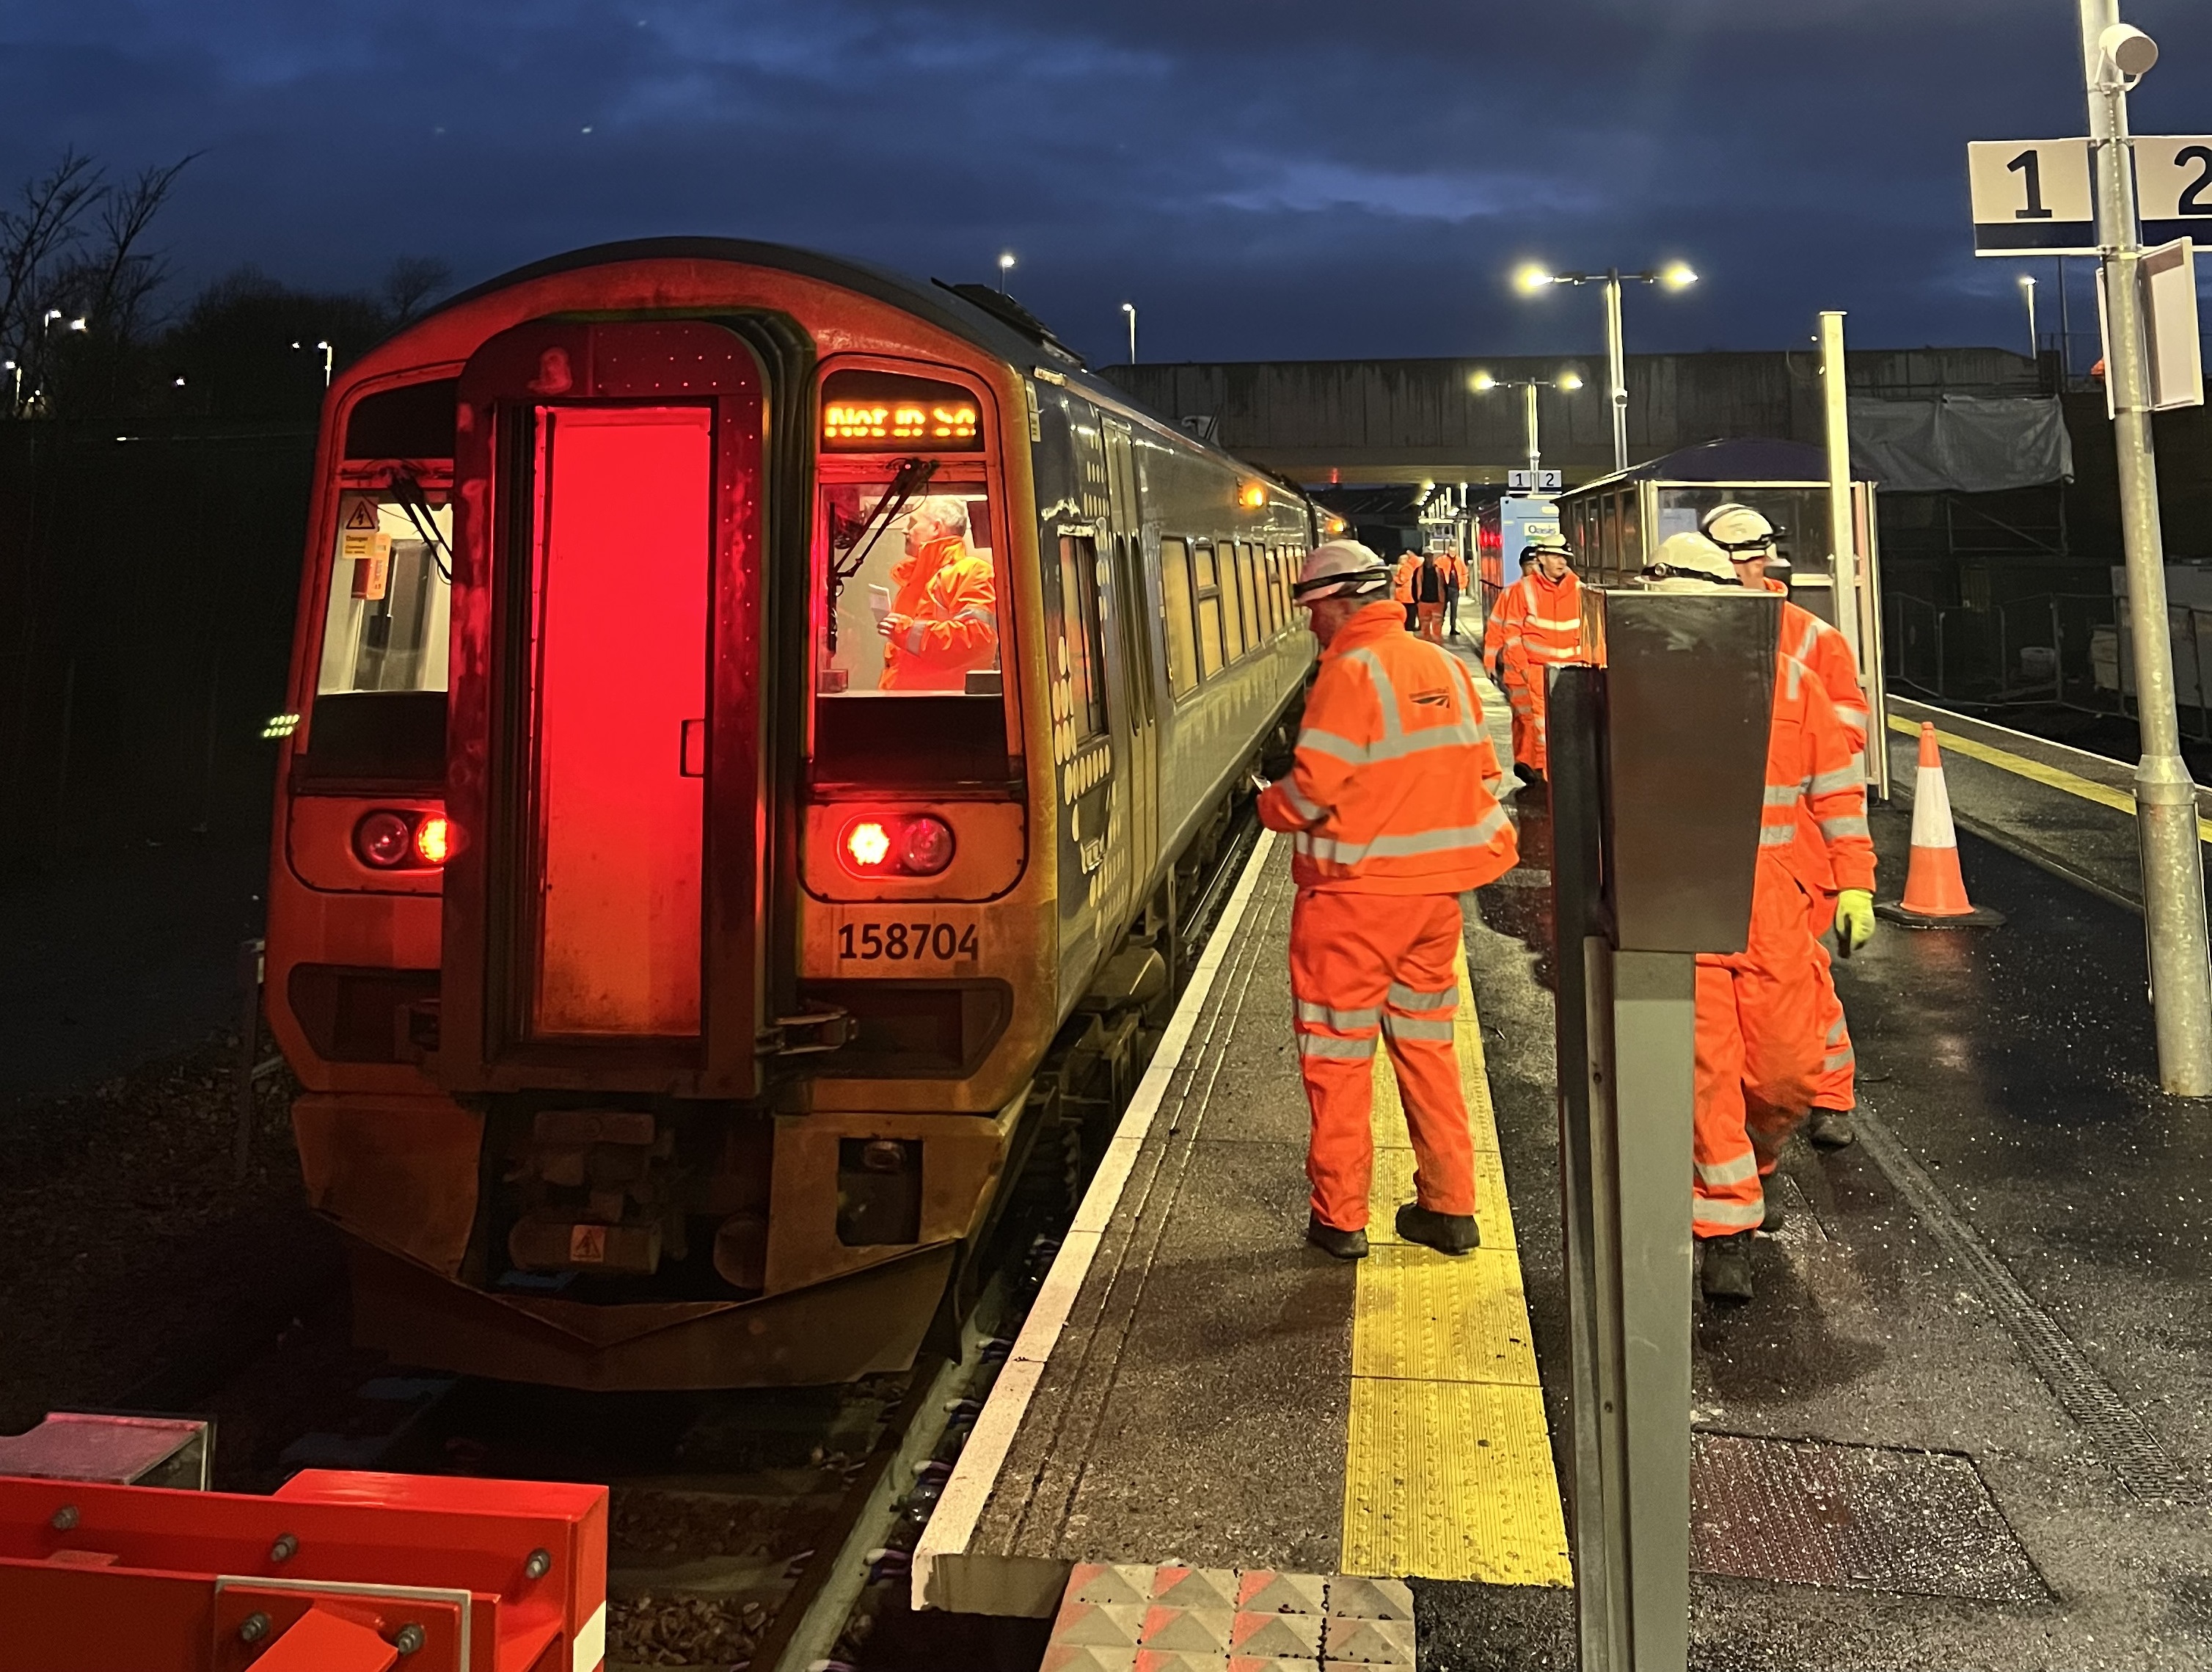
{"x": 434, "y": 839}
{"x": 916, "y": 845}
{"x": 391, "y": 839}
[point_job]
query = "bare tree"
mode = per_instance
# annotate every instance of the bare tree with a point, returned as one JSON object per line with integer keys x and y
{"x": 410, "y": 284}
{"x": 44, "y": 223}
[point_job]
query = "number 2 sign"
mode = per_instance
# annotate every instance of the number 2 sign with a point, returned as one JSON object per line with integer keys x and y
{"x": 2173, "y": 187}
{"x": 2033, "y": 196}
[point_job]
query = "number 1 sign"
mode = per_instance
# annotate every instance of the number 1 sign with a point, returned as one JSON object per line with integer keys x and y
{"x": 2032, "y": 197}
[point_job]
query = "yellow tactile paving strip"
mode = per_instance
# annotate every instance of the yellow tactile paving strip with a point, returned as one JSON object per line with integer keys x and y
{"x": 1447, "y": 1463}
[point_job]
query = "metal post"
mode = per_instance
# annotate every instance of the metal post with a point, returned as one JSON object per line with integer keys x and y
{"x": 2027, "y": 291}
{"x": 1528, "y": 413}
{"x": 1616, "y": 361}
{"x": 1843, "y": 545}
{"x": 250, "y": 970}
{"x": 2166, "y": 798}
{"x": 2065, "y": 342}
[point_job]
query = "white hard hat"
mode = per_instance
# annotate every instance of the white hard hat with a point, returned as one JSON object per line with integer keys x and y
{"x": 1690, "y": 557}
{"x": 1738, "y": 529}
{"x": 1340, "y": 568}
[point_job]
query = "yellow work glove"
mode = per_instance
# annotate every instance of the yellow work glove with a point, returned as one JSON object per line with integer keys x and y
{"x": 1854, "y": 920}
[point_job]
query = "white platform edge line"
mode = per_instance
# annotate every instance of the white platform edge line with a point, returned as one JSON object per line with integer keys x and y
{"x": 960, "y": 1506}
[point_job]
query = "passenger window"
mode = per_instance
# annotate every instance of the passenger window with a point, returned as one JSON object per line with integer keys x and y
{"x": 1208, "y": 592}
{"x": 1248, "y": 592}
{"x": 1270, "y": 585}
{"x": 1079, "y": 637}
{"x": 906, "y": 630}
{"x": 1175, "y": 617}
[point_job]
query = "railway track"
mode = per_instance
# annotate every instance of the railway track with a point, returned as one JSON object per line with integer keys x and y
{"x": 767, "y": 1530}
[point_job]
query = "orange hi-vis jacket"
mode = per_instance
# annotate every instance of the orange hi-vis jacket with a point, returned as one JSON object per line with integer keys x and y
{"x": 1402, "y": 578}
{"x": 1814, "y": 775}
{"x": 1394, "y": 786}
{"x": 1547, "y": 625}
{"x": 1823, "y": 649}
{"x": 951, "y": 601}
{"x": 1503, "y": 626}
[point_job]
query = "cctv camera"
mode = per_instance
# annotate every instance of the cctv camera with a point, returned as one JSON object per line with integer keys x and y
{"x": 2127, "y": 52}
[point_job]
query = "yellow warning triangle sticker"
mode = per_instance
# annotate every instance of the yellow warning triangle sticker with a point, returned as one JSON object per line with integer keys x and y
{"x": 363, "y": 515}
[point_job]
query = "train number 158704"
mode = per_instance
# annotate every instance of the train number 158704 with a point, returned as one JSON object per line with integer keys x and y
{"x": 905, "y": 943}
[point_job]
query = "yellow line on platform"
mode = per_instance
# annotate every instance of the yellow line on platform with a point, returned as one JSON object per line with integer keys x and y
{"x": 2052, "y": 777}
{"x": 1447, "y": 1463}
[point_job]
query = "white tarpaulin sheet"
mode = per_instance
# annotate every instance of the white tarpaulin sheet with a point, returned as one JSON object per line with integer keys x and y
{"x": 1965, "y": 444}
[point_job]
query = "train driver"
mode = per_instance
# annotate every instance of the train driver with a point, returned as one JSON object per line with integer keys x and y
{"x": 943, "y": 619}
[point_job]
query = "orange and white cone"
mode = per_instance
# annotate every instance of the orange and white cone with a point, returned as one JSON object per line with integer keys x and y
{"x": 1934, "y": 889}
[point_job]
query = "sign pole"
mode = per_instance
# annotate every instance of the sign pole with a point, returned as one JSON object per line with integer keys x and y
{"x": 2166, "y": 797}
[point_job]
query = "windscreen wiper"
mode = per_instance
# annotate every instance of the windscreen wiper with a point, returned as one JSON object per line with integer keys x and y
{"x": 409, "y": 492}
{"x": 911, "y": 477}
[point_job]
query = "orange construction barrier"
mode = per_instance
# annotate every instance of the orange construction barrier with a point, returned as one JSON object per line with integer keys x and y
{"x": 1935, "y": 889}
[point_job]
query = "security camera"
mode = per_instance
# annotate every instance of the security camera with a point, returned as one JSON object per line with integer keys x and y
{"x": 2127, "y": 53}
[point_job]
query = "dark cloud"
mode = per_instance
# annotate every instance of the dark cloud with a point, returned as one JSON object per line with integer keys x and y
{"x": 1295, "y": 178}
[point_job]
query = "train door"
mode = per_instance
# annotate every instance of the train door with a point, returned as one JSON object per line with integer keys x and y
{"x": 601, "y": 924}
{"x": 1138, "y": 657}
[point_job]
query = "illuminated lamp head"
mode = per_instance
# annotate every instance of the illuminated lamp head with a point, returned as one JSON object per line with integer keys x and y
{"x": 1252, "y": 496}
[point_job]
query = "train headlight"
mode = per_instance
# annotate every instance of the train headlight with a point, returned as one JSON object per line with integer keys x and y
{"x": 926, "y": 846}
{"x": 383, "y": 840}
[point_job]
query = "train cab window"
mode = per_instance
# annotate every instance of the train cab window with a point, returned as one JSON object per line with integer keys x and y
{"x": 909, "y": 622}
{"x": 379, "y": 709}
{"x": 1175, "y": 617}
{"x": 1206, "y": 590}
{"x": 1080, "y": 640}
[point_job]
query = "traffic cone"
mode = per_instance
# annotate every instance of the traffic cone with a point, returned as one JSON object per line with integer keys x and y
{"x": 1934, "y": 891}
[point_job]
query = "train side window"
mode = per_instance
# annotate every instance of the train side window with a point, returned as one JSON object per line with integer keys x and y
{"x": 907, "y": 620}
{"x": 1175, "y": 617}
{"x": 1271, "y": 588}
{"x": 1207, "y": 590}
{"x": 1080, "y": 642}
{"x": 1248, "y": 590}
{"x": 380, "y": 705}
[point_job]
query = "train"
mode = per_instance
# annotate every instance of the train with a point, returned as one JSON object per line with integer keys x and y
{"x": 769, "y": 734}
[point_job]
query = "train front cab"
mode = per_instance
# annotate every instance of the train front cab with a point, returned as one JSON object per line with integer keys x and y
{"x": 627, "y": 913}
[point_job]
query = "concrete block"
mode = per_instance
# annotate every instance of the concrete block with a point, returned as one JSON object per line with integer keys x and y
{"x": 1195, "y": 1587}
{"x": 1170, "y": 1660}
{"x": 1247, "y": 1663}
{"x": 1263, "y": 1590}
{"x": 1099, "y": 1625}
{"x": 1294, "y": 1635}
{"x": 1087, "y": 1657}
{"x": 1370, "y": 1599}
{"x": 1368, "y": 1642}
{"x": 1191, "y": 1631}
{"x": 1119, "y": 1583}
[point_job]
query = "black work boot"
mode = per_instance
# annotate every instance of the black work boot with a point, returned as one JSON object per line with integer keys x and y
{"x": 1344, "y": 1245}
{"x": 1724, "y": 1267}
{"x": 1447, "y": 1234}
{"x": 1773, "y": 1219}
{"x": 1831, "y": 1128}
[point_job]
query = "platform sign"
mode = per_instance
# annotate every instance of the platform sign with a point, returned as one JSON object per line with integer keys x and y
{"x": 2173, "y": 187}
{"x": 1542, "y": 482}
{"x": 2032, "y": 197}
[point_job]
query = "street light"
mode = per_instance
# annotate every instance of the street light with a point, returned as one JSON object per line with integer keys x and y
{"x": 1566, "y": 382}
{"x": 2027, "y": 283}
{"x": 1676, "y": 275}
{"x": 325, "y": 346}
{"x": 1130, "y": 308}
{"x": 1006, "y": 267}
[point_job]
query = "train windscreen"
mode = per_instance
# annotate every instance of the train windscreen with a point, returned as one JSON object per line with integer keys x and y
{"x": 380, "y": 687}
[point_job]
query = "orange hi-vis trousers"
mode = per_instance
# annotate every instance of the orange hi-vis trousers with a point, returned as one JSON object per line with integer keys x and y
{"x": 1361, "y": 963}
{"x": 1757, "y": 1055}
{"x": 1835, "y": 1087}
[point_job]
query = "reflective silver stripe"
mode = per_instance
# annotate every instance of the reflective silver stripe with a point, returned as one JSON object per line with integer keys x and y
{"x": 1803, "y": 653}
{"x": 1344, "y": 1021}
{"x": 1417, "y": 1027}
{"x": 1386, "y": 694}
{"x": 1405, "y": 999}
{"x": 1826, "y": 783}
{"x": 1739, "y": 1215}
{"x": 1573, "y": 625}
{"x": 1402, "y": 847}
{"x": 974, "y": 612}
{"x": 1459, "y": 734}
{"x": 1299, "y": 805}
{"x": 1328, "y": 743}
{"x": 1777, "y": 835}
{"x": 1344, "y": 1050}
{"x": 1851, "y": 824}
{"x": 1795, "y": 671}
{"x": 1782, "y": 795}
{"x": 1835, "y": 1030}
{"x": 1852, "y": 715}
{"x": 915, "y": 638}
{"x": 1718, "y": 1173}
{"x": 1545, "y": 653}
{"x": 1843, "y": 1059}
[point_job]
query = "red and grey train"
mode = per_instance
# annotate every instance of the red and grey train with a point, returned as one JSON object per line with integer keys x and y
{"x": 668, "y": 923}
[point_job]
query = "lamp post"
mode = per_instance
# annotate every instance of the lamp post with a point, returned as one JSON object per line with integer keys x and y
{"x": 325, "y": 345}
{"x": 1567, "y": 382}
{"x": 1130, "y": 308}
{"x": 15, "y": 403}
{"x": 1676, "y": 275}
{"x": 1006, "y": 267}
{"x": 2027, "y": 283}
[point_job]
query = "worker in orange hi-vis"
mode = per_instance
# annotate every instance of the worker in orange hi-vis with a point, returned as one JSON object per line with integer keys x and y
{"x": 943, "y": 620}
{"x": 1549, "y": 632}
{"x": 1455, "y": 580}
{"x": 1402, "y": 585}
{"x": 1503, "y": 624}
{"x": 1758, "y": 1056}
{"x": 1392, "y": 799}
{"x": 1429, "y": 588}
{"x": 1748, "y": 537}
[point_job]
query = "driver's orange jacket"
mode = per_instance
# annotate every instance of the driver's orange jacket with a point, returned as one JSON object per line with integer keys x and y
{"x": 951, "y": 600}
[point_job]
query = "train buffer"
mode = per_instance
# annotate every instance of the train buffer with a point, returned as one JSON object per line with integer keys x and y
{"x": 1198, "y": 1393}
{"x": 335, "y": 1571}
